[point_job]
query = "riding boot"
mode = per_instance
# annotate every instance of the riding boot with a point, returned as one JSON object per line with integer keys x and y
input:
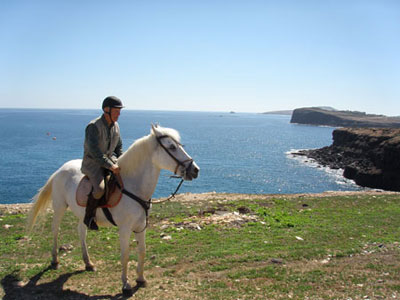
{"x": 90, "y": 213}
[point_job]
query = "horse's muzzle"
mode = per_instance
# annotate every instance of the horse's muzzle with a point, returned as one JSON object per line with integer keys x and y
{"x": 192, "y": 171}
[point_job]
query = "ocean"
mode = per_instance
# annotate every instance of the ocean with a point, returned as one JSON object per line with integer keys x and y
{"x": 237, "y": 152}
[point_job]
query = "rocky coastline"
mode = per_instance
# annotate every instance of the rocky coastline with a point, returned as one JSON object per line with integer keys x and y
{"x": 369, "y": 156}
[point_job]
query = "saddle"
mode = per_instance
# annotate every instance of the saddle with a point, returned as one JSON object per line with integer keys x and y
{"x": 111, "y": 197}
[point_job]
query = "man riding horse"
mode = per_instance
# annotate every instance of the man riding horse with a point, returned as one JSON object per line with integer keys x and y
{"x": 102, "y": 147}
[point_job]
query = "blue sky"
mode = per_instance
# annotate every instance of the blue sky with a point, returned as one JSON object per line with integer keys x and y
{"x": 244, "y": 56}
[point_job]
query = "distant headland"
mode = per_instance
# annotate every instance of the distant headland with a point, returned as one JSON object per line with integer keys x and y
{"x": 328, "y": 116}
{"x": 278, "y": 112}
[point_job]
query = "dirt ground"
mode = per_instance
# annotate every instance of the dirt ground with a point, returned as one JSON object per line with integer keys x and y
{"x": 24, "y": 208}
{"x": 211, "y": 196}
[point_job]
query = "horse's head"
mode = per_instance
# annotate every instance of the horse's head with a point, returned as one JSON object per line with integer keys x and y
{"x": 170, "y": 154}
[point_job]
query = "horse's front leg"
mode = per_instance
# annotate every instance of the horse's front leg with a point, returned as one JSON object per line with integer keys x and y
{"x": 141, "y": 243}
{"x": 82, "y": 229}
{"x": 124, "y": 237}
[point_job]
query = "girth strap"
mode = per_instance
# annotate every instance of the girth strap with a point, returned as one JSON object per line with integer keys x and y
{"x": 144, "y": 204}
{"x": 108, "y": 215}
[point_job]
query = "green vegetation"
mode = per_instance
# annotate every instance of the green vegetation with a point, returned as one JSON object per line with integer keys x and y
{"x": 331, "y": 247}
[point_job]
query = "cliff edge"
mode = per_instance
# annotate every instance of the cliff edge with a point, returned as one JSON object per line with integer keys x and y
{"x": 338, "y": 118}
{"x": 369, "y": 156}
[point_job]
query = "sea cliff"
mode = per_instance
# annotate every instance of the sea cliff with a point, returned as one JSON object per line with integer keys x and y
{"x": 338, "y": 118}
{"x": 369, "y": 156}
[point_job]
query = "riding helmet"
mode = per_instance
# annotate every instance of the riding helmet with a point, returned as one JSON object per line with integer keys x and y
{"x": 112, "y": 101}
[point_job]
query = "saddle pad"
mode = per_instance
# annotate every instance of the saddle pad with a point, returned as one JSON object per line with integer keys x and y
{"x": 84, "y": 189}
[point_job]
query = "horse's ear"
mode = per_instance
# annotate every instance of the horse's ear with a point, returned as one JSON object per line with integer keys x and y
{"x": 154, "y": 128}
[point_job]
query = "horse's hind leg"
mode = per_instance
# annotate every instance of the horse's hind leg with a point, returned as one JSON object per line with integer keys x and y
{"x": 82, "y": 229}
{"x": 59, "y": 210}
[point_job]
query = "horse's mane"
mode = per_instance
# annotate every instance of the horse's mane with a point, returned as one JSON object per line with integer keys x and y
{"x": 142, "y": 147}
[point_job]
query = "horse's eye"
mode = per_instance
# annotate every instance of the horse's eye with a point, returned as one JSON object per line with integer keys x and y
{"x": 172, "y": 147}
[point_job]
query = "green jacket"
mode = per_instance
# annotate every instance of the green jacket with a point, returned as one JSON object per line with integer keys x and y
{"x": 102, "y": 147}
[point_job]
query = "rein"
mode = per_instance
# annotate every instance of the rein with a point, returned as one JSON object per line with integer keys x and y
{"x": 170, "y": 196}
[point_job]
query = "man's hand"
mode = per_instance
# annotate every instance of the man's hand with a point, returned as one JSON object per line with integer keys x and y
{"x": 115, "y": 169}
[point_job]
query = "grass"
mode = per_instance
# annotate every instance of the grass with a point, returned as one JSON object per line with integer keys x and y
{"x": 336, "y": 247}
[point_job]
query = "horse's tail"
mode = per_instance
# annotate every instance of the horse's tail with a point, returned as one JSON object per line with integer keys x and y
{"x": 41, "y": 202}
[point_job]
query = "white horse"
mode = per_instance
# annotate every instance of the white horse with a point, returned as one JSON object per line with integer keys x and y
{"x": 140, "y": 169}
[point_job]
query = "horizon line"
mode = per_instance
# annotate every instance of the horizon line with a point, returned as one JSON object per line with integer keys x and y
{"x": 172, "y": 110}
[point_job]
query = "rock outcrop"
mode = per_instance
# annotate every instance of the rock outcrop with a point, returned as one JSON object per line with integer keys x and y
{"x": 369, "y": 156}
{"x": 337, "y": 118}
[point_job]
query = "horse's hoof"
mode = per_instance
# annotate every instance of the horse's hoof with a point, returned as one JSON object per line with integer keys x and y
{"x": 90, "y": 268}
{"x": 127, "y": 292}
{"x": 55, "y": 265}
{"x": 141, "y": 284}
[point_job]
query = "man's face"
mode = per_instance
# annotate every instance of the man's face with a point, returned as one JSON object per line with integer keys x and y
{"x": 115, "y": 112}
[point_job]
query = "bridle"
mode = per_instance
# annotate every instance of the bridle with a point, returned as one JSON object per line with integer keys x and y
{"x": 178, "y": 162}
